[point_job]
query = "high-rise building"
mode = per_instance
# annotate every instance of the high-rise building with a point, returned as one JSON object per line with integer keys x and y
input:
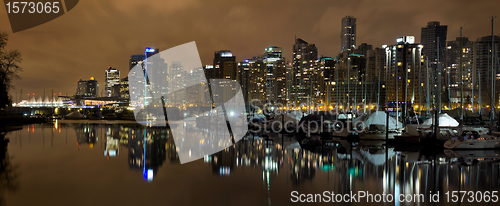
{"x": 209, "y": 72}
{"x": 226, "y": 73}
{"x": 124, "y": 91}
{"x": 327, "y": 69}
{"x": 348, "y": 34}
{"x": 136, "y": 59}
{"x": 430, "y": 36}
{"x": 482, "y": 52}
{"x": 349, "y": 80}
{"x": 271, "y": 56}
{"x": 305, "y": 61}
{"x": 197, "y": 95}
{"x": 363, "y": 49}
{"x": 89, "y": 88}
{"x": 379, "y": 76}
{"x": 177, "y": 82}
{"x": 374, "y": 64}
{"x": 156, "y": 72}
{"x": 225, "y": 65}
{"x": 407, "y": 77}
{"x": 257, "y": 79}
{"x": 112, "y": 78}
{"x": 461, "y": 47}
{"x": 279, "y": 83}
{"x": 244, "y": 74}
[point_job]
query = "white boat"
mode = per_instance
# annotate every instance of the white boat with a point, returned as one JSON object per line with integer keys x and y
{"x": 379, "y": 120}
{"x": 469, "y": 142}
{"x": 480, "y": 130}
{"x": 444, "y": 121}
{"x": 373, "y": 126}
{"x": 377, "y": 135}
{"x": 473, "y": 154}
{"x": 448, "y": 128}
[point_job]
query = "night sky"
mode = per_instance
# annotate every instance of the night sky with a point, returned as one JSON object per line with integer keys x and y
{"x": 97, "y": 34}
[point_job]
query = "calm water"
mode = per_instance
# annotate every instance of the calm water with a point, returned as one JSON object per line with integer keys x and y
{"x": 114, "y": 163}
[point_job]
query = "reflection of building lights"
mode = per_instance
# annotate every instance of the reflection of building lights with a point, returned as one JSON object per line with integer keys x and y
{"x": 224, "y": 171}
{"x": 149, "y": 176}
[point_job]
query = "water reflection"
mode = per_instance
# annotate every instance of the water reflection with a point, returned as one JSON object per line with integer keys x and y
{"x": 9, "y": 174}
{"x": 147, "y": 146}
{"x": 339, "y": 166}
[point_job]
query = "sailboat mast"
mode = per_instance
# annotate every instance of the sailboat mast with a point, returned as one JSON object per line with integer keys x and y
{"x": 413, "y": 80}
{"x": 328, "y": 85}
{"x": 493, "y": 72}
{"x": 397, "y": 88}
{"x": 420, "y": 85}
{"x": 379, "y": 85}
{"x": 406, "y": 93}
{"x": 438, "y": 92}
{"x": 311, "y": 93}
{"x": 449, "y": 89}
{"x": 428, "y": 96}
{"x": 337, "y": 82}
{"x": 356, "y": 80}
{"x": 480, "y": 106}
{"x": 348, "y": 80}
{"x": 366, "y": 75}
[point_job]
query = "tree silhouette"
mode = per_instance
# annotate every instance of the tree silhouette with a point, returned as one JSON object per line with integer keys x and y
{"x": 9, "y": 67}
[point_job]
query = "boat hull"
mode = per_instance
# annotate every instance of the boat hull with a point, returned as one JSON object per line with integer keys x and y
{"x": 473, "y": 144}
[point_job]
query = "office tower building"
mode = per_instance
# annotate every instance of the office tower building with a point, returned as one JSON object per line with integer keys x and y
{"x": 279, "y": 82}
{"x": 112, "y": 78}
{"x": 136, "y": 59}
{"x": 155, "y": 70}
{"x": 176, "y": 83}
{"x": 225, "y": 65}
{"x": 430, "y": 36}
{"x": 482, "y": 53}
{"x": 406, "y": 76}
{"x": 454, "y": 50}
{"x": 257, "y": 79}
{"x": 305, "y": 60}
{"x": 327, "y": 69}
{"x": 348, "y": 34}
{"x": 124, "y": 90}
{"x": 244, "y": 74}
{"x": 271, "y": 56}
{"x": 349, "y": 80}
{"x": 87, "y": 89}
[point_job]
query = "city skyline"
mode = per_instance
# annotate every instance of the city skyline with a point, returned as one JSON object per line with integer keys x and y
{"x": 48, "y": 68}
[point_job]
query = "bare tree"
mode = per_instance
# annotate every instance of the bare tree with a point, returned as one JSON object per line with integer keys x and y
{"x": 9, "y": 69}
